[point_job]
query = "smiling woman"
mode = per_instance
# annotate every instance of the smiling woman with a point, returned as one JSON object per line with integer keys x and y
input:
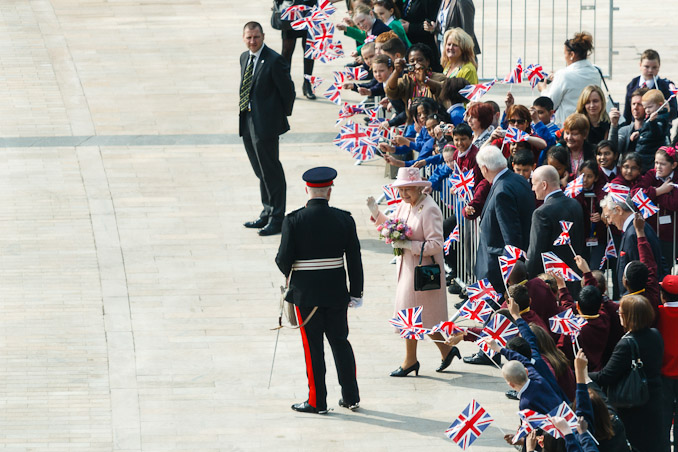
{"x": 592, "y": 104}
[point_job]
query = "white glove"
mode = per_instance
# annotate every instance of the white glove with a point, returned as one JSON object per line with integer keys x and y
{"x": 355, "y": 302}
{"x": 372, "y": 205}
{"x": 402, "y": 244}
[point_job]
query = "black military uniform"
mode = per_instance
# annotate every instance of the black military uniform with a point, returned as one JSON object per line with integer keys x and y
{"x": 312, "y": 247}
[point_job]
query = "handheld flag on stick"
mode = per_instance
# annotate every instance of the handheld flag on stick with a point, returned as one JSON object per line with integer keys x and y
{"x": 574, "y": 187}
{"x": 469, "y": 425}
{"x": 555, "y": 264}
{"x": 475, "y": 92}
{"x": 644, "y": 204}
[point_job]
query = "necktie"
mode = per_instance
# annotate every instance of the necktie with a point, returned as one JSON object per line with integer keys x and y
{"x": 246, "y": 86}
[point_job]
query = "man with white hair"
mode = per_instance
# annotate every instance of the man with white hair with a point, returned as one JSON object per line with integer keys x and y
{"x": 505, "y": 219}
{"x": 546, "y": 223}
{"x": 619, "y": 213}
{"x": 533, "y": 392}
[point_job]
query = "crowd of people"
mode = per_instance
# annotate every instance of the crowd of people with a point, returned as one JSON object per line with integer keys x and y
{"x": 419, "y": 55}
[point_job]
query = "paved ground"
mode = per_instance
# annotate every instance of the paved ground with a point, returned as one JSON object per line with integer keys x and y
{"x": 136, "y": 309}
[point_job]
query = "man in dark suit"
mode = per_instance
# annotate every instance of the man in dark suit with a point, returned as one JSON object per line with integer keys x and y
{"x": 266, "y": 99}
{"x": 311, "y": 254}
{"x": 505, "y": 218}
{"x": 620, "y": 214}
{"x": 460, "y": 14}
{"x": 414, "y": 14}
{"x": 534, "y": 393}
{"x": 546, "y": 223}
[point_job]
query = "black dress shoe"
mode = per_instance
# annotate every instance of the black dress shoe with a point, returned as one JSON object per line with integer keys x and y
{"x": 304, "y": 407}
{"x": 511, "y": 394}
{"x": 269, "y": 229}
{"x": 307, "y": 90}
{"x": 448, "y": 359}
{"x": 256, "y": 224}
{"x": 400, "y": 372}
{"x": 459, "y": 304}
{"x": 454, "y": 288}
{"x": 350, "y": 406}
{"x": 482, "y": 359}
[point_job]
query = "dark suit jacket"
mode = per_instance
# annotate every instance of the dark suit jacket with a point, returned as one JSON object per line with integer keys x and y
{"x": 416, "y": 14}
{"x": 628, "y": 251}
{"x": 505, "y": 220}
{"x": 379, "y": 27}
{"x": 662, "y": 85}
{"x": 314, "y": 232}
{"x": 546, "y": 229}
{"x": 462, "y": 15}
{"x": 539, "y": 396}
{"x": 272, "y": 94}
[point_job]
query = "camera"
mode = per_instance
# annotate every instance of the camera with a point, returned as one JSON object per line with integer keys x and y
{"x": 409, "y": 68}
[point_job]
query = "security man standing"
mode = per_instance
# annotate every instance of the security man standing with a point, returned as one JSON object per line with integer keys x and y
{"x": 311, "y": 254}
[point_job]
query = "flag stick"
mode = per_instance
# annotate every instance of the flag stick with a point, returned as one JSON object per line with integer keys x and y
{"x": 493, "y": 362}
{"x": 667, "y": 101}
{"x": 572, "y": 249}
{"x": 593, "y": 437}
{"x": 574, "y": 350}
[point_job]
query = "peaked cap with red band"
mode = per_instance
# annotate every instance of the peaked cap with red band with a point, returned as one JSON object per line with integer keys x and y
{"x": 321, "y": 176}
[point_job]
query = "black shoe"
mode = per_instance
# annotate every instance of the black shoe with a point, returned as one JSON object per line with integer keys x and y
{"x": 307, "y": 90}
{"x": 269, "y": 229}
{"x": 350, "y": 406}
{"x": 448, "y": 359}
{"x": 256, "y": 224}
{"x": 482, "y": 359}
{"x": 511, "y": 394}
{"x": 459, "y": 304}
{"x": 454, "y": 288}
{"x": 304, "y": 407}
{"x": 400, "y": 372}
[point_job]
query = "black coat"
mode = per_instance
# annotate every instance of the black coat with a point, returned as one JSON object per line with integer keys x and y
{"x": 416, "y": 14}
{"x": 644, "y": 423}
{"x": 546, "y": 229}
{"x": 314, "y": 232}
{"x": 628, "y": 251}
{"x": 272, "y": 94}
{"x": 662, "y": 85}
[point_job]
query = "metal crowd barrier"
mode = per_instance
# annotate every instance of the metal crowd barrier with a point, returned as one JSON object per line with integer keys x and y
{"x": 545, "y": 25}
{"x": 467, "y": 246}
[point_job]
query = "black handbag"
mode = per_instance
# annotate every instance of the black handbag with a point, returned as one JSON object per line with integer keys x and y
{"x": 426, "y": 277}
{"x": 276, "y": 22}
{"x": 632, "y": 390}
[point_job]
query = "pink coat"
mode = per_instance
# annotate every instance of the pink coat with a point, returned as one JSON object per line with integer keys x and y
{"x": 426, "y": 222}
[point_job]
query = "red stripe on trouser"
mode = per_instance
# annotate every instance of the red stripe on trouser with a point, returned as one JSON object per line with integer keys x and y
{"x": 309, "y": 363}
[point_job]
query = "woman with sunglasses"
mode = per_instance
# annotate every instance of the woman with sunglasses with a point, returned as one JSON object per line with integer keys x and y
{"x": 519, "y": 118}
{"x": 565, "y": 86}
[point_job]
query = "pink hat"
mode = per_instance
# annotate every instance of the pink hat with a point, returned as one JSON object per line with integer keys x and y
{"x": 410, "y": 177}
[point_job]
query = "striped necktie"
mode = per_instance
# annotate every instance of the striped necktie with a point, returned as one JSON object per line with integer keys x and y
{"x": 246, "y": 86}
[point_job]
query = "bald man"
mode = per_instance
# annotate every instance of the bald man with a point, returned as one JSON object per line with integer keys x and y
{"x": 546, "y": 222}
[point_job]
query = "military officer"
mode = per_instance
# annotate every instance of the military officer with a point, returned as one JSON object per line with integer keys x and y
{"x": 314, "y": 241}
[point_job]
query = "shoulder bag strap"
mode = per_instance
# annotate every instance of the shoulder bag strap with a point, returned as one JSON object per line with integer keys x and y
{"x": 421, "y": 255}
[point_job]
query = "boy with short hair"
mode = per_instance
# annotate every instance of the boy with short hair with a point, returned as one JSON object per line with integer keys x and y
{"x": 522, "y": 163}
{"x": 654, "y": 132}
{"x": 542, "y": 112}
{"x": 649, "y": 78}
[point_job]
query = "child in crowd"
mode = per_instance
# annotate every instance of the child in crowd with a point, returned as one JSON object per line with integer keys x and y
{"x": 389, "y": 14}
{"x": 649, "y": 78}
{"x": 630, "y": 171}
{"x": 589, "y": 199}
{"x": 362, "y": 24}
{"x": 621, "y": 136}
{"x": 658, "y": 185}
{"x": 607, "y": 158}
{"x": 382, "y": 38}
{"x": 450, "y": 97}
{"x": 558, "y": 157}
{"x": 592, "y": 104}
{"x": 655, "y": 131}
{"x": 541, "y": 113}
{"x": 382, "y": 67}
{"x": 367, "y": 56}
{"x": 522, "y": 163}
{"x": 425, "y": 116}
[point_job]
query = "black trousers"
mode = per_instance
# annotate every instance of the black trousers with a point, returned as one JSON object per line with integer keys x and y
{"x": 333, "y": 323}
{"x": 264, "y": 158}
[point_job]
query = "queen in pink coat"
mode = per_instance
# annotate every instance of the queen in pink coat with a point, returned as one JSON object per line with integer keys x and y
{"x": 423, "y": 216}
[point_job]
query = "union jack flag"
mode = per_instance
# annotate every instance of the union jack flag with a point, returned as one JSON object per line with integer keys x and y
{"x": 673, "y": 90}
{"x": 408, "y": 321}
{"x": 574, "y": 187}
{"x": 294, "y": 12}
{"x": 463, "y": 183}
{"x": 375, "y": 132}
{"x": 610, "y": 251}
{"x": 333, "y": 93}
{"x": 506, "y": 265}
{"x": 351, "y": 136}
{"x": 356, "y": 73}
{"x": 500, "y": 329}
{"x": 448, "y": 328}
{"x": 369, "y": 38}
{"x": 475, "y": 92}
{"x": 513, "y": 252}
{"x": 314, "y": 81}
{"x": 555, "y": 264}
{"x": 564, "y": 237}
{"x": 310, "y": 21}
{"x": 454, "y": 237}
{"x": 516, "y": 75}
{"x": 348, "y": 111}
{"x": 524, "y": 430}
{"x": 334, "y": 51}
{"x": 515, "y": 135}
{"x": 617, "y": 192}
{"x": 644, "y": 204}
{"x": 478, "y": 311}
{"x": 563, "y": 410}
{"x": 535, "y": 73}
{"x": 339, "y": 78}
{"x": 326, "y": 7}
{"x": 392, "y": 195}
{"x": 469, "y": 425}
{"x": 313, "y": 52}
{"x": 537, "y": 420}
{"x": 482, "y": 290}
{"x": 363, "y": 152}
{"x": 566, "y": 323}
{"x": 321, "y": 35}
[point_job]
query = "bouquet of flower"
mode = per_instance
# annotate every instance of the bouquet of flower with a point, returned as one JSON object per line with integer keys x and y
{"x": 392, "y": 230}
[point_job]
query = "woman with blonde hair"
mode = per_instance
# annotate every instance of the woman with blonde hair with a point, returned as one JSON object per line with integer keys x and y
{"x": 458, "y": 59}
{"x": 592, "y": 104}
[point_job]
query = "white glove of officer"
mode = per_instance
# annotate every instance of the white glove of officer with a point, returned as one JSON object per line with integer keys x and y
{"x": 372, "y": 205}
{"x": 402, "y": 244}
{"x": 355, "y": 302}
